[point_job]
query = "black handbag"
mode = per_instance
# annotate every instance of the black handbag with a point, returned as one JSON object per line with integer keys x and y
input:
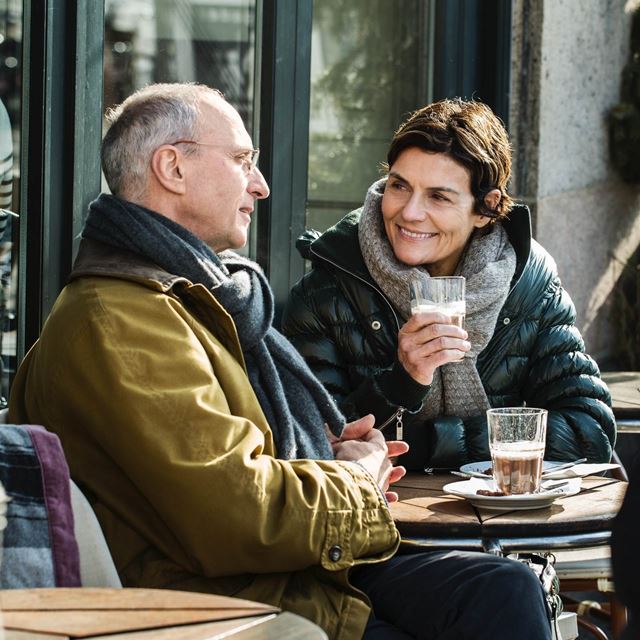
{"x": 542, "y": 566}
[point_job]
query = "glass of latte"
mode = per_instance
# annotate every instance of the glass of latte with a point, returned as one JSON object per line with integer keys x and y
{"x": 516, "y": 441}
{"x": 443, "y": 294}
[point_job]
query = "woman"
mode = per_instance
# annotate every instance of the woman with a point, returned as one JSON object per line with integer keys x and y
{"x": 443, "y": 209}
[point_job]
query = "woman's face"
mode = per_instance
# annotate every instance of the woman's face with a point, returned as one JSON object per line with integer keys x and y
{"x": 428, "y": 210}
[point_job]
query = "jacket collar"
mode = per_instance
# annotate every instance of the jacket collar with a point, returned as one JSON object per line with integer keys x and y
{"x": 99, "y": 259}
{"x": 339, "y": 244}
{"x": 518, "y": 228}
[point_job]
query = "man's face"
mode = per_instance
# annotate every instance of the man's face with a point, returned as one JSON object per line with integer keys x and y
{"x": 221, "y": 187}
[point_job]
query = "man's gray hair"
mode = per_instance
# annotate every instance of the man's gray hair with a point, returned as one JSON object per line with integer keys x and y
{"x": 155, "y": 115}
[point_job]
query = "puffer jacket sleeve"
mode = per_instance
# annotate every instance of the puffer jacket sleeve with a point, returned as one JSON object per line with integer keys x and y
{"x": 565, "y": 380}
{"x": 321, "y": 324}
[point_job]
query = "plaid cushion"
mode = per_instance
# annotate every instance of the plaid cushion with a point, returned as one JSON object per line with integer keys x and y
{"x": 39, "y": 546}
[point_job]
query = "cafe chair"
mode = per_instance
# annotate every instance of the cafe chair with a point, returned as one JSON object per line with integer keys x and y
{"x": 76, "y": 553}
{"x": 97, "y": 568}
{"x": 53, "y": 544}
{"x": 589, "y": 569}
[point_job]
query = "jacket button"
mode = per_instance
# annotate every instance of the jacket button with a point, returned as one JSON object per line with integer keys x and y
{"x": 376, "y": 324}
{"x": 335, "y": 553}
{"x": 506, "y": 321}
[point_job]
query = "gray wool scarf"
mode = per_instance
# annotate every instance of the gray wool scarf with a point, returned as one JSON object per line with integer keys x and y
{"x": 294, "y": 402}
{"x": 488, "y": 265}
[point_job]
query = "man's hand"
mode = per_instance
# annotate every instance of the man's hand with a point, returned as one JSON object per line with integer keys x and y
{"x": 361, "y": 442}
{"x": 427, "y": 341}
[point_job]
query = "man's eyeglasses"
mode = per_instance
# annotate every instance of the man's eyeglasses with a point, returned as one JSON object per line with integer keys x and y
{"x": 248, "y": 158}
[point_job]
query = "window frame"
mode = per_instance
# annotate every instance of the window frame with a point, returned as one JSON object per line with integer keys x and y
{"x": 60, "y": 142}
{"x": 284, "y": 139}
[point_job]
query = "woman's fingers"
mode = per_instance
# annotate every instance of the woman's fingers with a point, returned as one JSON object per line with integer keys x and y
{"x": 430, "y": 325}
{"x": 428, "y": 341}
{"x": 420, "y": 352}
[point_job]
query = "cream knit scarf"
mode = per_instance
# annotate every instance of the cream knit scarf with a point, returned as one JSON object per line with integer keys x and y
{"x": 488, "y": 265}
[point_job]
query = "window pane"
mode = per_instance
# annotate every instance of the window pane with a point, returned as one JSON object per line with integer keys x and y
{"x": 10, "y": 109}
{"x": 207, "y": 41}
{"x": 370, "y": 66}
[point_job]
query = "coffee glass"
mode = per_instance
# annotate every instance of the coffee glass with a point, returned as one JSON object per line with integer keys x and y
{"x": 516, "y": 441}
{"x": 444, "y": 294}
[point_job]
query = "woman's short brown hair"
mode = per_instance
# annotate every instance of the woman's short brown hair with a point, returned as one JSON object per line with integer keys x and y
{"x": 472, "y": 135}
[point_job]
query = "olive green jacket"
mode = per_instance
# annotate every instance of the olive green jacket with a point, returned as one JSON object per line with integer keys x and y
{"x": 141, "y": 375}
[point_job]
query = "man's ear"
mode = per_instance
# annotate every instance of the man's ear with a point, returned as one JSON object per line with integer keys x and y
{"x": 167, "y": 166}
{"x": 491, "y": 201}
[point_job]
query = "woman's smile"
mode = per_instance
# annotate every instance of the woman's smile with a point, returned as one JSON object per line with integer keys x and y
{"x": 415, "y": 235}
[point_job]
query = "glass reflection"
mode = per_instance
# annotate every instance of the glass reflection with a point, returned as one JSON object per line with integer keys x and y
{"x": 370, "y": 66}
{"x": 207, "y": 41}
{"x": 10, "y": 108}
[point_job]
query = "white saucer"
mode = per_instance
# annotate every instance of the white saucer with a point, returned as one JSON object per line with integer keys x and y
{"x": 481, "y": 467}
{"x": 468, "y": 489}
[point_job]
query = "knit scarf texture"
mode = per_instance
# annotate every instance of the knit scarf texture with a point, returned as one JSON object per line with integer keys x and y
{"x": 488, "y": 265}
{"x": 294, "y": 402}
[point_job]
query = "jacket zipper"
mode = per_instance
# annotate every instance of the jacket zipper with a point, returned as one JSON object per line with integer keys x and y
{"x": 397, "y": 415}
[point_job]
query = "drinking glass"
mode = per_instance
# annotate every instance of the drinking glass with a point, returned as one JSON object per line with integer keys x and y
{"x": 516, "y": 441}
{"x": 444, "y": 294}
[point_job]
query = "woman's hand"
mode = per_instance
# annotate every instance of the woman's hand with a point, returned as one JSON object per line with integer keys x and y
{"x": 427, "y": 341}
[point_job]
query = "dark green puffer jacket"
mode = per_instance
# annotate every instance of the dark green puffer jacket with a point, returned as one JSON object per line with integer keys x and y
{"x": 346, "y": 329}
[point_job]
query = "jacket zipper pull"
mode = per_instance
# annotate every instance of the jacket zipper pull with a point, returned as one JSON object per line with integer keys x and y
{"x": 399, "y": 425}
{"x": 398, "y": 417}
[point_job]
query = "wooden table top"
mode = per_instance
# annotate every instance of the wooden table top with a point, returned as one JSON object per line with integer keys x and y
{"x": 425, "y": 511}
{"x": 145, "y": 614}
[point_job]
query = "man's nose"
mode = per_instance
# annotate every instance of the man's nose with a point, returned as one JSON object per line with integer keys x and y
{"x": 258, "y": 186}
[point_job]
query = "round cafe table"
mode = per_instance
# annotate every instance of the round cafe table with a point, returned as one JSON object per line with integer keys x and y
{"x": 429, "y": 519}
{"x": 426, "y": 517}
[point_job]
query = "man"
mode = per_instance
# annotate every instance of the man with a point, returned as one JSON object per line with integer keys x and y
{"x": 197, "y": 431}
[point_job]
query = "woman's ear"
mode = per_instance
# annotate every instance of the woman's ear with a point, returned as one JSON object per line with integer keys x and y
{"x": 491, "y": 201}
{"x": 167, "y": 166}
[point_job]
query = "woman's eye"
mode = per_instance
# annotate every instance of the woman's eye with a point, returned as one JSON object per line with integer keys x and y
{"x": 398, "y": 186}
{"x": 440, "y": 197}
